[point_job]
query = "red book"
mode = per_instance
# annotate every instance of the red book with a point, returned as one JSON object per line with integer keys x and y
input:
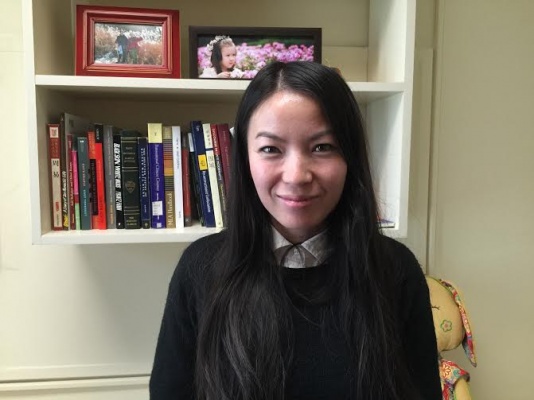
{"x": 186, "y": 182}
{"x": 96, "y": 173}
{"x": 54, "y": 156}
{"x": 225, "y": 144}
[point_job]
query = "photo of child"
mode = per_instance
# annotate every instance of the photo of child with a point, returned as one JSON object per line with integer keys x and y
{"x": 241, "y": 56}
{"x": 223, "y": 59}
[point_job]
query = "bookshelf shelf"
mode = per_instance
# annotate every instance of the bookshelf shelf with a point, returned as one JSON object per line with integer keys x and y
{"x": 123, "y": 236}
{"x": 370, "y": 40}
{"x": 188, "y": 89}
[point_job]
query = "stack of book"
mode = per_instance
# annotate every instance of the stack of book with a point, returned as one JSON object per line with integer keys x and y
{"x": 103, "y": 177}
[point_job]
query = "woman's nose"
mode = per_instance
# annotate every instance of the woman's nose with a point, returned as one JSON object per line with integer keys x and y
{"x": 297, "y": 170}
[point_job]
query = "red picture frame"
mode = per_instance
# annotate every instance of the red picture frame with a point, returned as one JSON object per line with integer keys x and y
{"x": 128, "y": 42}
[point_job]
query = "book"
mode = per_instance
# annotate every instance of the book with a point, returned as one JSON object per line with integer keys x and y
{"x": 117, "y": 168}
{"x": 101, "y": 217}
{"x": 186, "y": 182}
{"x": 168, "y": 177}
{"x": 144, "y": 192}
{"x": 75, "y": 178}
{"x": 54, "y": 156}
{"x": 178, "y": 176}
{"x": 130, "y": 179}
{"x": 225, "y": 143}
{"x": 70, "y": 183}
{"x": 196, "y": 209}
{"x": 157, "y": 190}
{"x": 219, "y": 169}
{"x": 206, "y": 201}
{"x": 83, "y": 180}
{"x": 69, "y": 124}
{"x": 109, "y": 178}
{"x": 212, "y": 172}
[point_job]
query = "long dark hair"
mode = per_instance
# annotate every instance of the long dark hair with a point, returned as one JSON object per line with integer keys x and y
{"x": 242, "y": 350}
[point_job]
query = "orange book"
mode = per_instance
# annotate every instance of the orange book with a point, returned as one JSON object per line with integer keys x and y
{"x": 95, "y": 140}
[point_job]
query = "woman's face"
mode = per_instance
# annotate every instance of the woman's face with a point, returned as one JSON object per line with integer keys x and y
{"x": 296, "y": 164}
{"x": 228, "y": 54}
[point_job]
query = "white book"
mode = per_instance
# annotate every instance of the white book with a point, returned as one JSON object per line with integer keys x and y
{"x": 177, "y": 166}
{"x": 212, "y": 172}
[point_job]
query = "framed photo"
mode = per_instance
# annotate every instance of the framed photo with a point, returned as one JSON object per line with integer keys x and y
{"x": 240, "y": 52}
{"x": 119, "y": 41}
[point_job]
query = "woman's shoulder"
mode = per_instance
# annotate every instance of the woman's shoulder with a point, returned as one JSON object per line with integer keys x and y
{"x": 197, "y": 259}
{"x": 402, "y": 260}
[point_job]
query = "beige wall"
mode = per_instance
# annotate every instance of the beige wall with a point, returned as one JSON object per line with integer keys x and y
{"x": 483, "y": 182}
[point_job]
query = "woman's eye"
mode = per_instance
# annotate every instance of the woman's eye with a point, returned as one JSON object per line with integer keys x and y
{"x": 269, "y": 149}
{"x": 323, "y": 147}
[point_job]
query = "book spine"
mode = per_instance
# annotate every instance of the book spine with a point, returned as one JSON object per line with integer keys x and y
{"x": 219, "y": 169}
{"x": 76, "y": 187}
{"x": 100, "y": 180}
{"x": 117, "y": 168}
{"x": 186, "y": 183}
{"x": 130, "y": 181}
{"x": 157, "y": 191}
{"x": 64, "y": 175}
{"x": 204, "y": 180}
{"x": 83, "y": 179}
{"x": 225, "y": 143}
{"x": 178, "y": 176}
{"x": 196, "y": 211}
{"x": 212, "y": 172}
{"x": 54, "y": 156}
{"x": 109, "y": 177}
{"x": 168, "y": 178}
{"x": 72, "y": 213}
{"x": 92, "y": 178}
{"x": 144, "y": 193}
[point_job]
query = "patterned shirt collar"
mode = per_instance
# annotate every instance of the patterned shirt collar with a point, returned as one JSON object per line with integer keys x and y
{"x": 311, "y": 253}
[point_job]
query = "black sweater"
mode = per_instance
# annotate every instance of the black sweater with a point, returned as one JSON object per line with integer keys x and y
{"x": 320, "y": 360}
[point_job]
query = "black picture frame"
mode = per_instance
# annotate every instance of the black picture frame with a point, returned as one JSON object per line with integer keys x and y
{"x": 254, "y": 47}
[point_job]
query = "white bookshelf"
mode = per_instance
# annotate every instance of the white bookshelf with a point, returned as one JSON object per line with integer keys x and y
{"x": 380, "y": 32}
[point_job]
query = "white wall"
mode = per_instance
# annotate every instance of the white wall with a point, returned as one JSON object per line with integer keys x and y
{"x": 483, "y": 183}
{"x": 66, "y": 311}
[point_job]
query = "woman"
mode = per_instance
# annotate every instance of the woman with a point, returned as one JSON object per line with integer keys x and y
{"x": 301, "y": 297}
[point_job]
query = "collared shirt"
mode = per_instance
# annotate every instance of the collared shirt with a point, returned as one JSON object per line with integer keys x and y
{"x": 307, "y": 254}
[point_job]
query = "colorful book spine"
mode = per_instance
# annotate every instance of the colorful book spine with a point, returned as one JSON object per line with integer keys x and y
{"x": 168, "y": 178}
{"x": 83, "y": 179}
{"x": 69, "y": 125}
{"x": 219, "y": 169}
{"x": 178, "y": 176}
{"x": 212, "y": 172}
{"x": 144, "y": 192}
{"x": 92, "y": 177}
{"x": 157, "y": 190}
{"x": 117, "y": 167}
{"x": 101, "y": 217}
{"x": 54, "y": 155}
{"x": 203, "y": 174}
{"x": 225, "y": 143}
{"x": 76, "y": 190}
{"x": 130, "y": 180}
{"x": 186, "y": 182}
{"x": 109, "y": 177}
